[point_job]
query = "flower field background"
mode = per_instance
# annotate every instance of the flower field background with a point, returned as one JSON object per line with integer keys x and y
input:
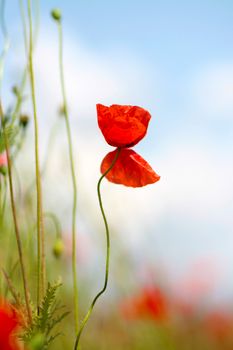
{"x": 96, "y": 250}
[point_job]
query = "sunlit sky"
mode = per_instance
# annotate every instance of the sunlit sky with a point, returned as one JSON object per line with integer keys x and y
{"x": 175, "y": 58}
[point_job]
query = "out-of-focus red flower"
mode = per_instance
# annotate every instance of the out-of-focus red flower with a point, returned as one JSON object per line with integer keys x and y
{"x": 3, "y": 159}
{"x": 122, "y": 126}
{"x": 150, "y": 303}
{"x": 219, "y": 324}
{"x": 9, "y": 324}
{"x": 130, "y": 169}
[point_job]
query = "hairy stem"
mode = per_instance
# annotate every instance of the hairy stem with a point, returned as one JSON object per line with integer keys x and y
{"x": 88, "y": 314}
{"x": 41, "y": 267}
{"x": 72, "y": 168}
{"x": 17, "y": 233}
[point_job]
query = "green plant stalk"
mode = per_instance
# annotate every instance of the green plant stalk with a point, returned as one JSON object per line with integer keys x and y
{"x": 22, "y": 14}
{"x": 6, "y": 41}
{"x": 72, "y": 168}
{"x": 41, "y": 267}
{"x": 3, "y": 201}
{"x": 56, "y": 223}
{"x": 19, "y": 99}
{"x": 24, "y": 77}
{"x": 17, "y": 233}
{"x": 88, "y": 314}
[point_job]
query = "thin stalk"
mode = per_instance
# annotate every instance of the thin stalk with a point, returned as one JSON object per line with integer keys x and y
{"x": 24, "y": 24}
{"x": 56, "y": 223}
{"x": 19, "y": 99}
{"x": 72, "y": 168}
{"x": 3, "y": 201}
{"x": 88, "y": 314}
{"x": 41, "y": 268}
{"x": 17, "y": 233}
{"x": 6, "y": 40}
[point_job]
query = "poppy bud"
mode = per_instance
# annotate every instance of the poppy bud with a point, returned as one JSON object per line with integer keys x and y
{"x": 15, "y": 90}
{"x": 23, "y": 120}
{"x": 58, "y": 248}
{"x": 37, "y": 342}
{"x": 3, "y": 170}
{"x": 56, "y": 14}
{"x": 62, "y": 110}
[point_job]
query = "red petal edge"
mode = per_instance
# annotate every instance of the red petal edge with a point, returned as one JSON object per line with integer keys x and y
{"x": 122, "y": 126}
{"x": 129, "y": 170}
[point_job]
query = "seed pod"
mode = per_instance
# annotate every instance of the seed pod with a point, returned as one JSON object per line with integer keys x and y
{"x": 56, "y": 14}
{"x": 58, "y": 248}
{"x": 24, "y": 120}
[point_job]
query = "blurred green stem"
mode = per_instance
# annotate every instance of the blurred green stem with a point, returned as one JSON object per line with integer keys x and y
{"x": 72, "y": 168}
{"x": 41, "y": 267}
{"x": 55, "y": 221}
{"x": 6, "y": 40}
{"x": 17, "y": 233}
{"x": 88, "y": 314}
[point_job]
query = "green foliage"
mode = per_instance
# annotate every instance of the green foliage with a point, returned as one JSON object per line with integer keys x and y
{"x": 39, "y": 335}
{"x": 11, "y": 133}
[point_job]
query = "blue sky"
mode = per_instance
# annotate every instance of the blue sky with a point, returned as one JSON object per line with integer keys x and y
{"x": 174, "y": 58}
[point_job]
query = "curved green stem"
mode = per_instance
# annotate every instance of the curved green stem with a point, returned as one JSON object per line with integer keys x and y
{"x": 72, "y": 168}
{"x": 41, "y": 268}
{"x": 55, "y": 221}
{"x": 88, "y": 314}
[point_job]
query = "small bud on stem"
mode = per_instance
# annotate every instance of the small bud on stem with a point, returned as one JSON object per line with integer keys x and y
{"x": 56, "y": 14}
{"x": 58, "y": 248}
{"x": 24, "y": 120}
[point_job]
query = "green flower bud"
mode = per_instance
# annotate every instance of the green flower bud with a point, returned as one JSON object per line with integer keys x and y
{"x": 62, "y": 111}
{"x": 3, "y": 170}
{"x": 58, "y": 248}
{"x": 15, "y": 90}
{"x": 23, "y": 120}
{"x": 37, "y": 342}
{"x": 56, "y": 14}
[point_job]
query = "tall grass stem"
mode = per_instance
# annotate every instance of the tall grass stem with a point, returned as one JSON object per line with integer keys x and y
{"x": 41, "y": 267}
{"x": 72, "y": 168}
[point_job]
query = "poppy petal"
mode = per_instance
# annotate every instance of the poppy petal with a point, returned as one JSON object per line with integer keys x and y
{"x": 122, "y": 126}
{"x": 130, "y": 169}
{"x": 8, "y": 325}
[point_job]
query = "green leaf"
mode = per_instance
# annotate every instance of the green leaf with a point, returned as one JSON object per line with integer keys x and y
{"x": 11, "y": 133}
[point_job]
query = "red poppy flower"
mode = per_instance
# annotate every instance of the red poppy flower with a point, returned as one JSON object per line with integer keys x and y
{"x": 9, "y": 324}
{"x": 122, "y": 126}
{"x": 130, "y": 169}
{"x": 219, "y": 324}
{"x": 151, "y": 303}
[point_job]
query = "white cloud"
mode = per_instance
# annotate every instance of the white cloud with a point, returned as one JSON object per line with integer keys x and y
{"x": 194, "y": 193}
{"x": 90, "y": 77}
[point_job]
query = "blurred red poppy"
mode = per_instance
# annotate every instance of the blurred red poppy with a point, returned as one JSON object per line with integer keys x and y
{"x": 9, "y": 324}
{"x": 219, "y": 324}
{"x": 122, "y": 126}
{"x": 151, "y": 302}
{"x": 130, "y": 169}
